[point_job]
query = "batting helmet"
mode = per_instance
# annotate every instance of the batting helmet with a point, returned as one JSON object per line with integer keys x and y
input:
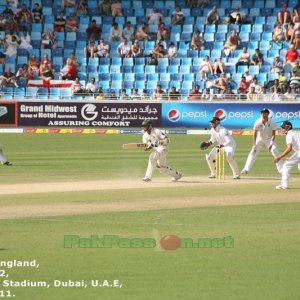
{"x": 287, "y": 125}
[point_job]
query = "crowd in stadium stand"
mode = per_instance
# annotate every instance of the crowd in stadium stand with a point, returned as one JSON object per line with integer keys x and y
{"x": 142, "y": 49}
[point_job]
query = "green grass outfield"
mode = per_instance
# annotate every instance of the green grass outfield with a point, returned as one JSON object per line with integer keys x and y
{"x": 262, "y": 264}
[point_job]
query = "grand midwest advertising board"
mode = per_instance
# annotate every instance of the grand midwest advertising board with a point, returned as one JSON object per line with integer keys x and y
{"x": 130, "y": 115}
{"x": 72, "y": 114}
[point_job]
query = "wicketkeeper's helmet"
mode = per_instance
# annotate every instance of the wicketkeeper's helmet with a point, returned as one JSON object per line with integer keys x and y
{"x": 147, "y": 122}
{"x": 287, "y": 125}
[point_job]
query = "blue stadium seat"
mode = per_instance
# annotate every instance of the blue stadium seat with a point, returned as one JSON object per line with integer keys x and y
{"x": 152, "y": 77}
{"x": 176, "y": 77}
{"x": 54, "y": 94}
{"x": 126, "y": 69}
{"x": 137, "y": 69}
{"x": 129, "y": 77}
{"x": 42, "y": 93}
{"x": 173, "y": 69}
{"x": 104, "y": 77}
{"x": 139, "y": 61}
{"x": 186, "y": 61}
{"x": 192, "y": 53}
{"x": 117, "y": 77}
{"x": 175, "y": 61}
{"x": 149, "y": 69}
{"x": 164, "y": 77}
{"x": 140, "y": 84}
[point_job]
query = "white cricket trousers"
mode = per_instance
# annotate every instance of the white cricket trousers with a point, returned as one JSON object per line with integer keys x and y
{"x": 2, "y": 156}
{"x": 229, "y": 151}
{"x": 287, "y": 168}
{"x": 159, "y": 159}
{"x": 253, "y": 154}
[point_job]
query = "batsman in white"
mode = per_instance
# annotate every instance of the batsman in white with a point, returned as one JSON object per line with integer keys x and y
{"x": 3, "y": 159}
{"x": 264, "y": 135}
{"x": 292, "y": 143}
{"x": 225, "y": 140}
{"x": 157, "y": 141}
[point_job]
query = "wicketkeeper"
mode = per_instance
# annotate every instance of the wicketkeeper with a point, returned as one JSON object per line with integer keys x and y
{"x": 157, "y": 142}
{"x": 224, "y": 139}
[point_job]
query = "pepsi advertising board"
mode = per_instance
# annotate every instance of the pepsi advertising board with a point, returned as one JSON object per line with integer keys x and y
{"x": 232, "y": 115}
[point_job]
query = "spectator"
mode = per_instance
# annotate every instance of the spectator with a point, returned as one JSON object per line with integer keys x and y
{"x": 296, "y": 68}
{"x": 25, "y": 42}
{"x": 124, "y": 49}
{"x": 290, "y": 33}
{"x": 34, "y": 64}
{"x": 93, "y": 31}
{"x": 291, "y": 55}
{"x": 23, "y": 17}
{"x": 48, "y": 40}
{"x": 3, "y": 23}
{"x": 257, "y": 58}
{"x": 252, "y": 95}
{"x": 69, "y": 71}
{"x": 232, "y": 43}
{"x": 77, "y": 88}
{"x": 37, "y": 14}
{"x": 207, "y": 95}
{"x": 195, "y": 94}
{"x": 2, "y": 58}
{"x": 73, "y": 60}
{"x": 163, "y": 32}
{"x": 155, "y": 17}
{"x": 296, "y": 41}
{"x": 158, "y": 94}
{"x": 295, "y": 16}
{"x": 136, "y": 50}
{"x": 145, "y": 96}
{"x": 113, "y": 96}
{"x": 172, "y": 51}
{"x": 46, "y": 60}
{"x": 220, "y": 83}
{"x": 105, "y": 8}
{"x": 284, "y": 16}
{"x": 124, "y": 96}
{"x": 278, "y": 34}
{"x": 241, "y": 94}
{"x": 229, "y": 94}
{"x": 46, "y": 71}
{"x": 72, "y": 23}
{"x": 219, "y": 66}
{"x": 294, "y": 81}
{"x": 128, "y": 31}
{"x": 67, "y": 3}
{"x": 244, "y": 58}
{"x": 24, "y": 74}
{"x": 92, "y": 87}
{"x": 159, "y": 52}
{"x": 256, "y": 85}
{"x": 283, "y": 81}
{"x": 276, "y": 85}
{"x": 90, "y": 50}
{"x": 277, "y": 64}
{"x": 244, "y": 85}
{"x": 288, "y": 94}
{"x": 212, "y": 16}
{"x": 8, "y": 78}
{"x": 198, "y": 42}
{"x": 205, "y": 67}
{"x": 174, "y": 95}
{"x": 60, "y": 22}
{"x": 13, "y": 43}
{"x": 238, "y": 17}
{"x": 115, "y": 33}
{"x": 116, "y": 8}
{"x": 102, "y": 49}
{"x": 100, "y": 94}
{"x": 135, "y": 94}
{"x": 248, "y": 76}
{"x": 177, "y": 16}
{"x": 263, "y": 95}
{"x": 142, "y": 33}
{"x": 82, "y": 8}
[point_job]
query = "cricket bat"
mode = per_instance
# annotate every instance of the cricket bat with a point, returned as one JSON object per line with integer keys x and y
{"x": 133, "y": 145}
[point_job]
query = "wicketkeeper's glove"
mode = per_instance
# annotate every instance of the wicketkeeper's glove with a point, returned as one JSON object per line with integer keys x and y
{"x": 204, "y": 145}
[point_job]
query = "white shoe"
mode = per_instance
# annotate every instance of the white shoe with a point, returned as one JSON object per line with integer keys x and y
{"x": 177, "y": 176}
{"x": 212, "y": 176}
{"x": 280, "y": 187}
{"x": 146, "y": 179}
{"x": 237, "y": 177}
{"x": 244, "y": 172}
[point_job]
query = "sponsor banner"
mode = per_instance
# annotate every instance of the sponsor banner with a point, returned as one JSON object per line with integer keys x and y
{"x": 131, "y": 131}
{"x": 232, "y": 115}
{"x": 69, "y": 131}
{"x": 11, "y": 130}
{"x": 198, "y": 131}
{"x": 73, "y": 114}
{"x": 8, "y": 114}
{"x": 176, "y": 131}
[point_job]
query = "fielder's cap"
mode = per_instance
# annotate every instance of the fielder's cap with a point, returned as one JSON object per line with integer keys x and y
{"x": 264, "y": 110}
{"x": 215, "y": 120}
{"x": 286, "y": 125}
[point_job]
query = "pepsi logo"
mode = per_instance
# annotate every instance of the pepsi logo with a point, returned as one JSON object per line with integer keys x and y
{"x": 220, "y": 113}
{"x": 173, "y": 115}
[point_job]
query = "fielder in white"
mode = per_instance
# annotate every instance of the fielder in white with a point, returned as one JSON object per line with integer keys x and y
{"x": 3, "y": 159}
{"x": 157, "y": 141}
{"x": 292, "y": 143}
{"x": 225, "y": 140}
{"x": 264, "y": 136}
